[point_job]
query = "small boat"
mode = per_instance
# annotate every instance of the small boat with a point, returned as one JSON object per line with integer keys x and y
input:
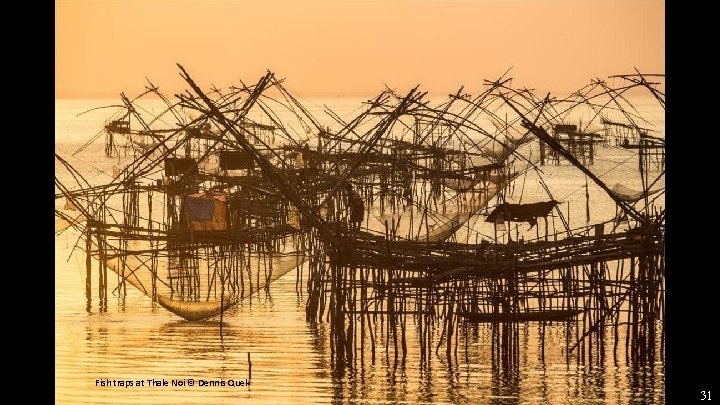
{"x": 526, "y": 316}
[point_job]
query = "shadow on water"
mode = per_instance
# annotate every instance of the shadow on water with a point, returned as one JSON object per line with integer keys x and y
{"x": 505, "y": 381}
{"x": 97, "y": 338}
{"x": 194, "y": 325}
{"x": 319, "y": 345}
{"x": 531, "y": 372}
{"x": 522, "y": 374}
{"x": 642, "y": 384}
{"x": 200, "y": 338}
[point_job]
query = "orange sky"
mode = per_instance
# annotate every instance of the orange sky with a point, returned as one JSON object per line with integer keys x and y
{"x": 350, "y": 48}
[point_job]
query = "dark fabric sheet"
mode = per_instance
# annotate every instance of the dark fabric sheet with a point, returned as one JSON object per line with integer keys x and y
{"x": 199, "y": 209}
{"x": 234, "y": 160}
{"x": 522, "y": 212}
{"x": 180, "y": 166}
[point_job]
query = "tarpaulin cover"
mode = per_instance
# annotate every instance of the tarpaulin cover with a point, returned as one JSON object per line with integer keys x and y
{"x": 235, "y": 159}
{"x": 180, "y": 166}
{"x": 565, "y": 127}
{"x": 199, "y": 209}
{"x": 215, "y": 222}
{"x": 522, "y": 212}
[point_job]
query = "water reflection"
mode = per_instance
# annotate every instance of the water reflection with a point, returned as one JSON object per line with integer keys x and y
{"x": 292, "y": 362}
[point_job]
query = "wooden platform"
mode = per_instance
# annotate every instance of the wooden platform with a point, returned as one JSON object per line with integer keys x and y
{"x": 527, "y": 316}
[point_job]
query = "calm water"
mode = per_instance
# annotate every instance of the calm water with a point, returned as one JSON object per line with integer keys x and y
{"x": 290, "y": 357}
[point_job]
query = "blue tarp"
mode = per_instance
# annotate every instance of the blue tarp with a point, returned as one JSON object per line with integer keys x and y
{"x": 199, "y": 209}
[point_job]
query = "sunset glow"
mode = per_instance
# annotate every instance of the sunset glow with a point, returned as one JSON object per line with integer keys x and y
{"x": 351, "y": 48}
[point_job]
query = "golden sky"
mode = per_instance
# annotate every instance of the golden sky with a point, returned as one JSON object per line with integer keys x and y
{"x": 351, "y": 48}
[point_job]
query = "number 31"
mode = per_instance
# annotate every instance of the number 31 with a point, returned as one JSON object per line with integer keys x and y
{"x": 705, "y": 395}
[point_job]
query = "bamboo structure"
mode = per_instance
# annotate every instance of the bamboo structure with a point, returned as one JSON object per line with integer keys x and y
{"x": 253, "y": 186}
